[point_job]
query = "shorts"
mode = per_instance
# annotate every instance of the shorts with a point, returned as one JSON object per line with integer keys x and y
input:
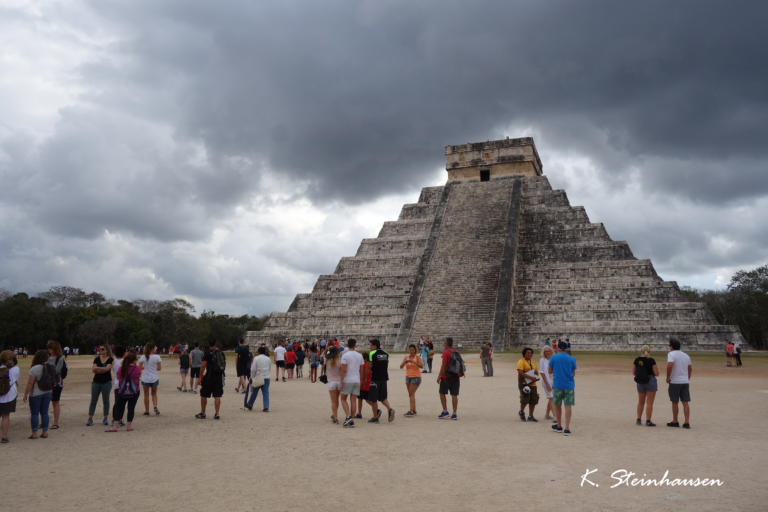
{"x": 280, "y": 364}
{"x": 565, "y": 397}
{"x": 413, "y": 381}
{"x": 195, "y": 372}
{"x": 679, "y": 393}
{"x": 378, "y": 391}
{"x": 649, "y": 387}
{"x": 8, "y": 407}
{"x": 350, "y": 388}
{"x": 212, "y": 387}
{"x": 290, "y": 366}
{"x": 183, "y": 371}
{"x": 547, "y": 393}
{"x": 150, "y": 384}
{"x": 242, "y": 371}
{"x": 363, "y": 394}
{"x": 334, "y": 385}
{"x": 314, "y": 365}
{"x": 450, "y": 385}
{"x": 56, "y": 393}
{"x": 531, "y": 398}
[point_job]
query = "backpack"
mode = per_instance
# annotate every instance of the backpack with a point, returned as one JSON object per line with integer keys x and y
{"x": 219, "y": 362}
{"x": 242, "y": 358}
{"x": 127, "y": 387}
{"x": 641, "y": 374}
{"x": 5, "y": 381}
{"x": 48, "y": 378}
{"x": 64, "y": 369}
{"x": 456, "y": 365}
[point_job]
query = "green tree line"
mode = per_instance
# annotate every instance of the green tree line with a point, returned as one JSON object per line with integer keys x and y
{"x": 79, "y": 319}
{"x": 744, "y": 302}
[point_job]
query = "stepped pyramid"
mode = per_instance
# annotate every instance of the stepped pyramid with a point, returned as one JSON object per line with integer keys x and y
{"x": 497, "y": 255}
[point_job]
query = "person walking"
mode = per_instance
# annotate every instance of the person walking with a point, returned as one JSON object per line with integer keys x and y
{"x": 260, "y": 368}
{"x": 127, "y": 380}
{"x": 351, "y": 376}
{"x": 150, "y": 363}
{"x": 313, "y": 363}
{"x": 300, "y": 356}
{"x": 490, "y": 359}
{"x": 413, "y": 367}
{"x": 102, "y": 383}
{"x": 41, "y": 381}
{"x": 378, "y": 364}
{"x": 485, "y": 352}
{"x": 430, "y": 355}
{"x": 546, "y": 380}
{"x": 213, "y": 370}
{"x": 365, "y": 386}
{"x": 290, "y": 361}
{"x": 242, "y": 360}
{"x": 119, "y": 354}
{"x": 9, "y": 390}
{"x": 56, "y": 359}
{"x": 645, "y": 372}
{"x": 527, "y": 375}
{"x": 562, "y": 367}
{"x": 679, "y": 371}
{"x": 333, "y": 374}
{"x": 195, "y": 362}
{"x": 279, "y": 361}
{"x": 449, "y": 382}
{"x": 183, "y": 370}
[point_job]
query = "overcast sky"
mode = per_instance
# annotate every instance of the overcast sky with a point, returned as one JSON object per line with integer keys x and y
{"x": 229, "y": 152}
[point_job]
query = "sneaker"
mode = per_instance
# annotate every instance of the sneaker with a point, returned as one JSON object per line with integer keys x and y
{"x": 283, "y": 379}
{"x": 443, "y": 415}
{"x": 358, "y": 416}
{"x": 454, "y": 417}
{"x": 548, "y": 418}
{"x": 391, "y": 416}
{"x": 200, "y": 416}
{"x": 347, "y": 421}
{"x": 567, "y": 432}
{"x": 183, "y": 390}
{"x": 557, "y": 429}
{"x": 531, "y": 418}
{"x": 521, "y": 414}
{"x": 216, "y": 417}
{"x": 649, "y": 423}
{"x": 673, "y": 424}
{"x": 334, "y": 420}
{"x": 121, "y": 424}
{"x": 146, "y": 413}
{"x": 373, "y": 420}
{"x": 89, "y": 423}
{"x": 237, "y": 390}
{"x": 178, "y": 387}
{"x": 105, "y": 422}
{"x": 378, "y": 414}
{"x": 265, "y": 410}
{"x": 639, "y": 422}
{"x": 409, "y": 414}
{"x": 687, "y": 426}
{"x": 157, "y": 413}
{"x": 351, "y": 424}
{"x": 193, "y": 391}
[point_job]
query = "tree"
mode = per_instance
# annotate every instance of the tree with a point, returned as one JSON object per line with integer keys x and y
{"x": 24, "y": 324}
{"x": 4, "y": 294}
{"x": 99, "y": 330}
{"x": 131, "y": 331}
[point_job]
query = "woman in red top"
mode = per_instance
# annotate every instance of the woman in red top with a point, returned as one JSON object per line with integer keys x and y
{"x": 290, "y": 361}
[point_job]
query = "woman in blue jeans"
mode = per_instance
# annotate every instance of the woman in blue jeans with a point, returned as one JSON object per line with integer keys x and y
{"x": 259, "y": 366}
{"x": 102, "y": 383}
{"x": 39, "y": 400}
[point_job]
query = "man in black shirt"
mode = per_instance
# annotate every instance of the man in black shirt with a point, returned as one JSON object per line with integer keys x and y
{"x": 213, "y": 381}
{"x": 377, "y": 364}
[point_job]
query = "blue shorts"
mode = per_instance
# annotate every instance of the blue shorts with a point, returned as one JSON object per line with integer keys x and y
{"x": 150, "y": 384}
{"x": 413, "y": 381}
{"x": 650, "y": 387}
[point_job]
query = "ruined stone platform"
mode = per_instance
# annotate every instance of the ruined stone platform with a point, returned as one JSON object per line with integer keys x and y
{"x": 497, "y": 255}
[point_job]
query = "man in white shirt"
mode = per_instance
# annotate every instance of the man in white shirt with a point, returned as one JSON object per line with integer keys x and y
{"x": 351, "y": 375}
{"x": 678, "y": 377}
{"x": 280, "y": 360}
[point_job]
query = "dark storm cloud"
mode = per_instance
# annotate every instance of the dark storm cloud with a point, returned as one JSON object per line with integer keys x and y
{"x": 361, "y": 97}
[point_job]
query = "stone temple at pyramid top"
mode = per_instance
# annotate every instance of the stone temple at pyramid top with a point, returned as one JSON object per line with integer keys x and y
{"x": 497, "y": 255}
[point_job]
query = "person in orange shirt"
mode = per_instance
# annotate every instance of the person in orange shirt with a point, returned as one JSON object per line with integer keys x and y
{"x": 413, "y": 366}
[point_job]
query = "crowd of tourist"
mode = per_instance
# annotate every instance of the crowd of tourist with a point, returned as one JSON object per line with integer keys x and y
{"x": 353, "y": 376}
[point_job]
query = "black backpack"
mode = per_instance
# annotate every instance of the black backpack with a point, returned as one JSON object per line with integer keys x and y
{"x": 456, "y": 365}
{"x": 242, "y": 358}
{"x": 64, "y": 368}
{"x": 641, "y": 373}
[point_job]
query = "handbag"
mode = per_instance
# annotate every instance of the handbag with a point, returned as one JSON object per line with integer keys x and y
{"x": 257, "y": 381}
{"x": 324, "y": 378}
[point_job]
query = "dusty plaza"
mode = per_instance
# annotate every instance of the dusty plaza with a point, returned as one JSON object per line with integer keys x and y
{"x": 294, "y": 459}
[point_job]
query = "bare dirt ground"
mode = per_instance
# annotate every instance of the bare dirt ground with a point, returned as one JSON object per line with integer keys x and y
{"x": 294, "y": 459}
